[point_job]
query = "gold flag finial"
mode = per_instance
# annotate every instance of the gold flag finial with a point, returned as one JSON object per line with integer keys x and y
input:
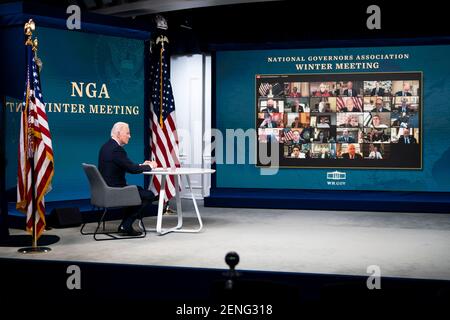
{"x": 162, "y": 39}
{"x": 28, "y": 29}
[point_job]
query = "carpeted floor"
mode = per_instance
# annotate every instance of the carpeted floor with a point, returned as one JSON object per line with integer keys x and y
{"x": 411, "y": 245}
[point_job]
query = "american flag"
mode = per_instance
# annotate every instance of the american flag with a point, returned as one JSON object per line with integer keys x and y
{"x": 287, "y": 135}
{"x": 164, "y": 143}
{"x": 264, "y": 88}
{"x": 35, "y": 159}
{"x": 340, "y": 102}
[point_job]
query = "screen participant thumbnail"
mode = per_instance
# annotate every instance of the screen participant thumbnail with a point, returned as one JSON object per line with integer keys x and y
{"x": 322, "y": 89}
{"x": 323, "y": 151}
{"x": 271, "y": 105}
{"x": 376, "y": 151}
{"x": 349, "y": 104}
{"x": 296, "y": 89}
{"x": 347, "y": 135}
{"x": 350, "y": 151}
{"x": 349, "y": 120}
{"x": 378, "y": 88}
{"x": 374, "y": 135}
{"x": 297, "y": 105}
{"x": 323, "y": 104}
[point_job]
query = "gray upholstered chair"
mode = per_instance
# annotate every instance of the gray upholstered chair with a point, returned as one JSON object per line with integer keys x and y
{"x": 106, "y": 197}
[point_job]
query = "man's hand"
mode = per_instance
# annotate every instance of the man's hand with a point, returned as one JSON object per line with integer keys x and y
{"x": 152, "y": 164}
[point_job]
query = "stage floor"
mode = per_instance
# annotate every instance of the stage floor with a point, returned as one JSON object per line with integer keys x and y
{"x": 409, "y": 245}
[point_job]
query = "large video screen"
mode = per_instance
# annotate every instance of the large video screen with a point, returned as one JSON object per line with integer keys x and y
{"x": 313, "y": 152}
{"x": 364, "y": 120}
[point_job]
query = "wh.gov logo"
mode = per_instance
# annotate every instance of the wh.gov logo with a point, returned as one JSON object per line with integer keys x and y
{"x": 336, "y": 178}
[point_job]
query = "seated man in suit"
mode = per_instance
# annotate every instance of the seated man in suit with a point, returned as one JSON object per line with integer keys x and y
{"x": 379, "y": 106}
{"x": 404, "y": 107}
{"x": 406, "y": 92}
{"x": 296, "y": 137}
{"x": 113, "y": 163}
{"x": 270, "y": 108}
{"x": 406, "y": 138}
{"x": 350, "y": 106}
{"x": 351, "y": 154}
{"x": 350, "y": 92}
{"x": 377, "y": 91}
{"x": 297, "y": 107}
{"x": 346, "y": 137}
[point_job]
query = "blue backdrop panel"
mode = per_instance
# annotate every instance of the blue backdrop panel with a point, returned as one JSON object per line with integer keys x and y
{"x": 110, "y": 73}
{"x": 235, "y": 108}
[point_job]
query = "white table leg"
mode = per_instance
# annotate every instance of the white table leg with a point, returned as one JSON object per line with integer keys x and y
{"x": 178, "y": 199}
{"x": 178, "y": 228}
{"x": 162, "y": 195}
{"x": 199, "y": 218}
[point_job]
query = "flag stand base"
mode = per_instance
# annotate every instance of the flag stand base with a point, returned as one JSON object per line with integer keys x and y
{"x": 34, "y": 250}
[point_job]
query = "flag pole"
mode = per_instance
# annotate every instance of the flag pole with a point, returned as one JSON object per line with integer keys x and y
{"x": 33, "y": 206}
{"x": 161, "y": 39}
{"x": 28, "y": 30}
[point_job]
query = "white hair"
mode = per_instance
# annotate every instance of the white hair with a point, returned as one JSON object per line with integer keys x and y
{"x": 117, "y": 127}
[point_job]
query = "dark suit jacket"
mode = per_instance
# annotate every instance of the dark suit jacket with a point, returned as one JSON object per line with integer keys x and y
{"x": 412, "y": 140}
{"x": 113, "y": 163}
{"x": 271, "y": 110}
{"x": 350, "y": 139}
{"x": 400, "y": 109}
{"x": 354, "y": 93}
{"x": 400, "y": 93}
{"x": 380, "y": 92}
{"x": 299, "y": 109}
{"x": 382, "y": 110}
{"x": 347, "y": 156}
{"x": 355, "y": 109}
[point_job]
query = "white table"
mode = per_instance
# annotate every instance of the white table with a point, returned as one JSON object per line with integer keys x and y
{"x": 186, "y": 172}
